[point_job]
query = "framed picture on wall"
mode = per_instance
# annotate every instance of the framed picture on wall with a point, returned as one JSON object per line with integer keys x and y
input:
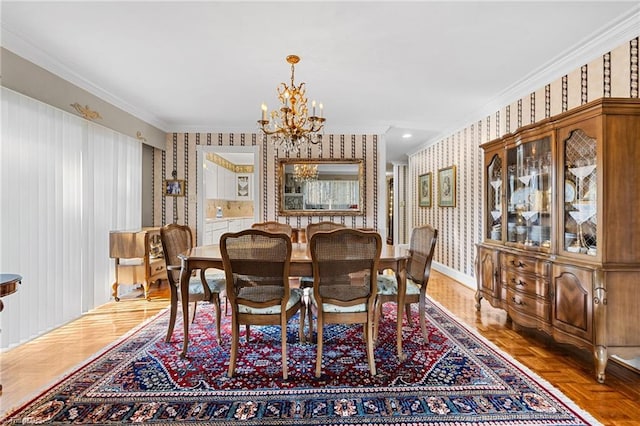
{"x": 447, "y": 187}
{"x": 174, "y": 187}
{"x": 242, "y": 187}
{"x": 424, "y": 190}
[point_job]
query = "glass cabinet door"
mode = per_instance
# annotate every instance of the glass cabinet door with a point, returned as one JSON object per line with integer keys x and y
{"x": 529, "y": 194}
{"x": 494, "y": 199}
{"x": 580, "y": 194}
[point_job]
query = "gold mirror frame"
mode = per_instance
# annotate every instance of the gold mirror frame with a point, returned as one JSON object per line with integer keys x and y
{"x": 323, "y": 165}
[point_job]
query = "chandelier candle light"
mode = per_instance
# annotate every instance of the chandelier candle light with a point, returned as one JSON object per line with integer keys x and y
{"x": 305, "y": 172}
{"x": 291, "y": 128}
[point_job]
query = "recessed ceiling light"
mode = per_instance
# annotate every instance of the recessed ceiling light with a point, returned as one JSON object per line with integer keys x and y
{"x": 406, "y": 136}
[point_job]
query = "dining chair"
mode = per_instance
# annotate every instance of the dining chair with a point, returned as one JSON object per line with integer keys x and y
{"x": 421, "y": 249}
{"x": 345, "y": 266}
{"x": 307, "y": 282}
{"x": 205, "y": 286}
{"x": 312, "y": 228}
{"x": 256, "y": 264}
{"x": 273, "y": 226}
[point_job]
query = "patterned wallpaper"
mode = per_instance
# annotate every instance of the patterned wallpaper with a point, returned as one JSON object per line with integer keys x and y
{"x": 401, "y": 230}
{"x": 180, "y": 154}
{"x": 614, "y": 74}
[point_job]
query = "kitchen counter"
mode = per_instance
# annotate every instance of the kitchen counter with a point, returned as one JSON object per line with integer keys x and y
{"x": 226, "y": 218}
{"x": 214, "y": 227}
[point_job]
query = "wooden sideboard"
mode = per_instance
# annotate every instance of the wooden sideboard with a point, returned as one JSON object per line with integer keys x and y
{"x": 561, "y": 249}
{"x": 138, "y": 258}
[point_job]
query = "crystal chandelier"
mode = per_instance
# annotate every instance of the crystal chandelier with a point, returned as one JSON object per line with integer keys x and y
{"x": 291, "y": 128}
{"x": 305, "y": 172}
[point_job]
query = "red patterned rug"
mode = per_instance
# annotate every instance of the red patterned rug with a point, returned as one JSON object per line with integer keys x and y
{"x": 456, "y": 378}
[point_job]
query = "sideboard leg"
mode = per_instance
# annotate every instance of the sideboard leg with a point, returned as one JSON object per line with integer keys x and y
{"x": 600, "y": 358}
{"x": 478, "y": 299}
{"x": 145, "y": 286}
{"x": 600, "y": 324}
{"x": 114, "y": 292}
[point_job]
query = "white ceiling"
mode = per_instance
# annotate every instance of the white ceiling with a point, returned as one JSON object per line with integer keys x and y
{"x": 421, "y": 67}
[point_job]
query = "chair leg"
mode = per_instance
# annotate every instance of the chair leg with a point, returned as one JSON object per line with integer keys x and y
{"x": 218, "y": 307}
{"x": 369, "y": 335}
{"x": 306, "y": 311}
{"x": 173, "y": 312}
{"x": 193, "y": 316}
{"x": 283, "y": 338}
{"x": 301, "y": 334}
{"x": 247, "y": 332}
{"x": 235, "y": 330}
{"x": 320, "y": 323}
{"x": 376, "y": 324}
{"x": 422, "y": 311}
{"x": 407, "y": 309}
{"x": 310, "y": 320}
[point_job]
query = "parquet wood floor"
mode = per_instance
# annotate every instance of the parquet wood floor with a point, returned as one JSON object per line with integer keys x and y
{"x": 26, "y": 369}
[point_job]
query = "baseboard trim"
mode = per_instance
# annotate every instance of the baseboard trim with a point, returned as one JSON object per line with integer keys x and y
{"x": 464, "y": 279}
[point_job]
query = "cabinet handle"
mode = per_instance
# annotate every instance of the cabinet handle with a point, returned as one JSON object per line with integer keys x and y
{"x": 518, "y": 265}
{"x": 519, "y": 282}
{"x": 517, "y": 302}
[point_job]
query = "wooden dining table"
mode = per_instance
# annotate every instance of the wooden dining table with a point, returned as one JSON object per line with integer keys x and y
{"x": 392, "y": 257}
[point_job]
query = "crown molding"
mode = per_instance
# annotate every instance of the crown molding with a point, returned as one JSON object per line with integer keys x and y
{"x": 615, "y": 33}
{"x": 340, "y": 130}
{"x": 33, "y": 54}
{"x": 620, "y": 30}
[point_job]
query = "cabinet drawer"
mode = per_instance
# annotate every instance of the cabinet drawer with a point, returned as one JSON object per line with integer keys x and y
{"x": 236, "y": 225}
{"x": 531, "y": 285}
{"x": 131, "y": 274}
{"x": 531, "y": 306}
{"x": 156, "y": 266}
{"x": 525, "y": 264}
{"x": 216, "y": 226}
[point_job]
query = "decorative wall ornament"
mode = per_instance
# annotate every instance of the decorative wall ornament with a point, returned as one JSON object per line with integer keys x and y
{"x": 86, "y": 112}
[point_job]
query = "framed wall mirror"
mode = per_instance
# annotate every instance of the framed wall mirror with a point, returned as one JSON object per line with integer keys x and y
{"x": 318, "y": 187}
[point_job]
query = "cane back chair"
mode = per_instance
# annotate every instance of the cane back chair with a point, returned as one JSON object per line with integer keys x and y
{"x": 345, "y": 266}
{"x": 421, "y": 249}
{"x": 256, "y": 264}
{"x": 205, "y": 286}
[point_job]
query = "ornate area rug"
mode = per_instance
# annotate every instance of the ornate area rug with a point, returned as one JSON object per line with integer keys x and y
{"x": 456, "y": 378}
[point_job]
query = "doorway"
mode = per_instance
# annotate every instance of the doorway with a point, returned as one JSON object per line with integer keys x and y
{"x": 228, "y": 190}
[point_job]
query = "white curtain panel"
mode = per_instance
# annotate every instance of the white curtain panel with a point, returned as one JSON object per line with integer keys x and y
{"x": 65, "y": 183}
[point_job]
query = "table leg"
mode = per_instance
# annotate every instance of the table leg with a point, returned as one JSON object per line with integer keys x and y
{"x": 184, "y": 295}
{"x": 402, "y": 289}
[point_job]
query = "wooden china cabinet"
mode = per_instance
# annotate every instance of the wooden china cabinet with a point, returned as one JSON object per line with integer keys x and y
{"x": 561, "y": 249}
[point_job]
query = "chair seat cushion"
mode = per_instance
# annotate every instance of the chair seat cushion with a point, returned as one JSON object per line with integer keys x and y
{"x": 213, "y": 273}
{"x": 216, "y": 282}
{"x": 388, "y": 285}
{"x": 264, "y": 293}
{"x": 344, "y": 293}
